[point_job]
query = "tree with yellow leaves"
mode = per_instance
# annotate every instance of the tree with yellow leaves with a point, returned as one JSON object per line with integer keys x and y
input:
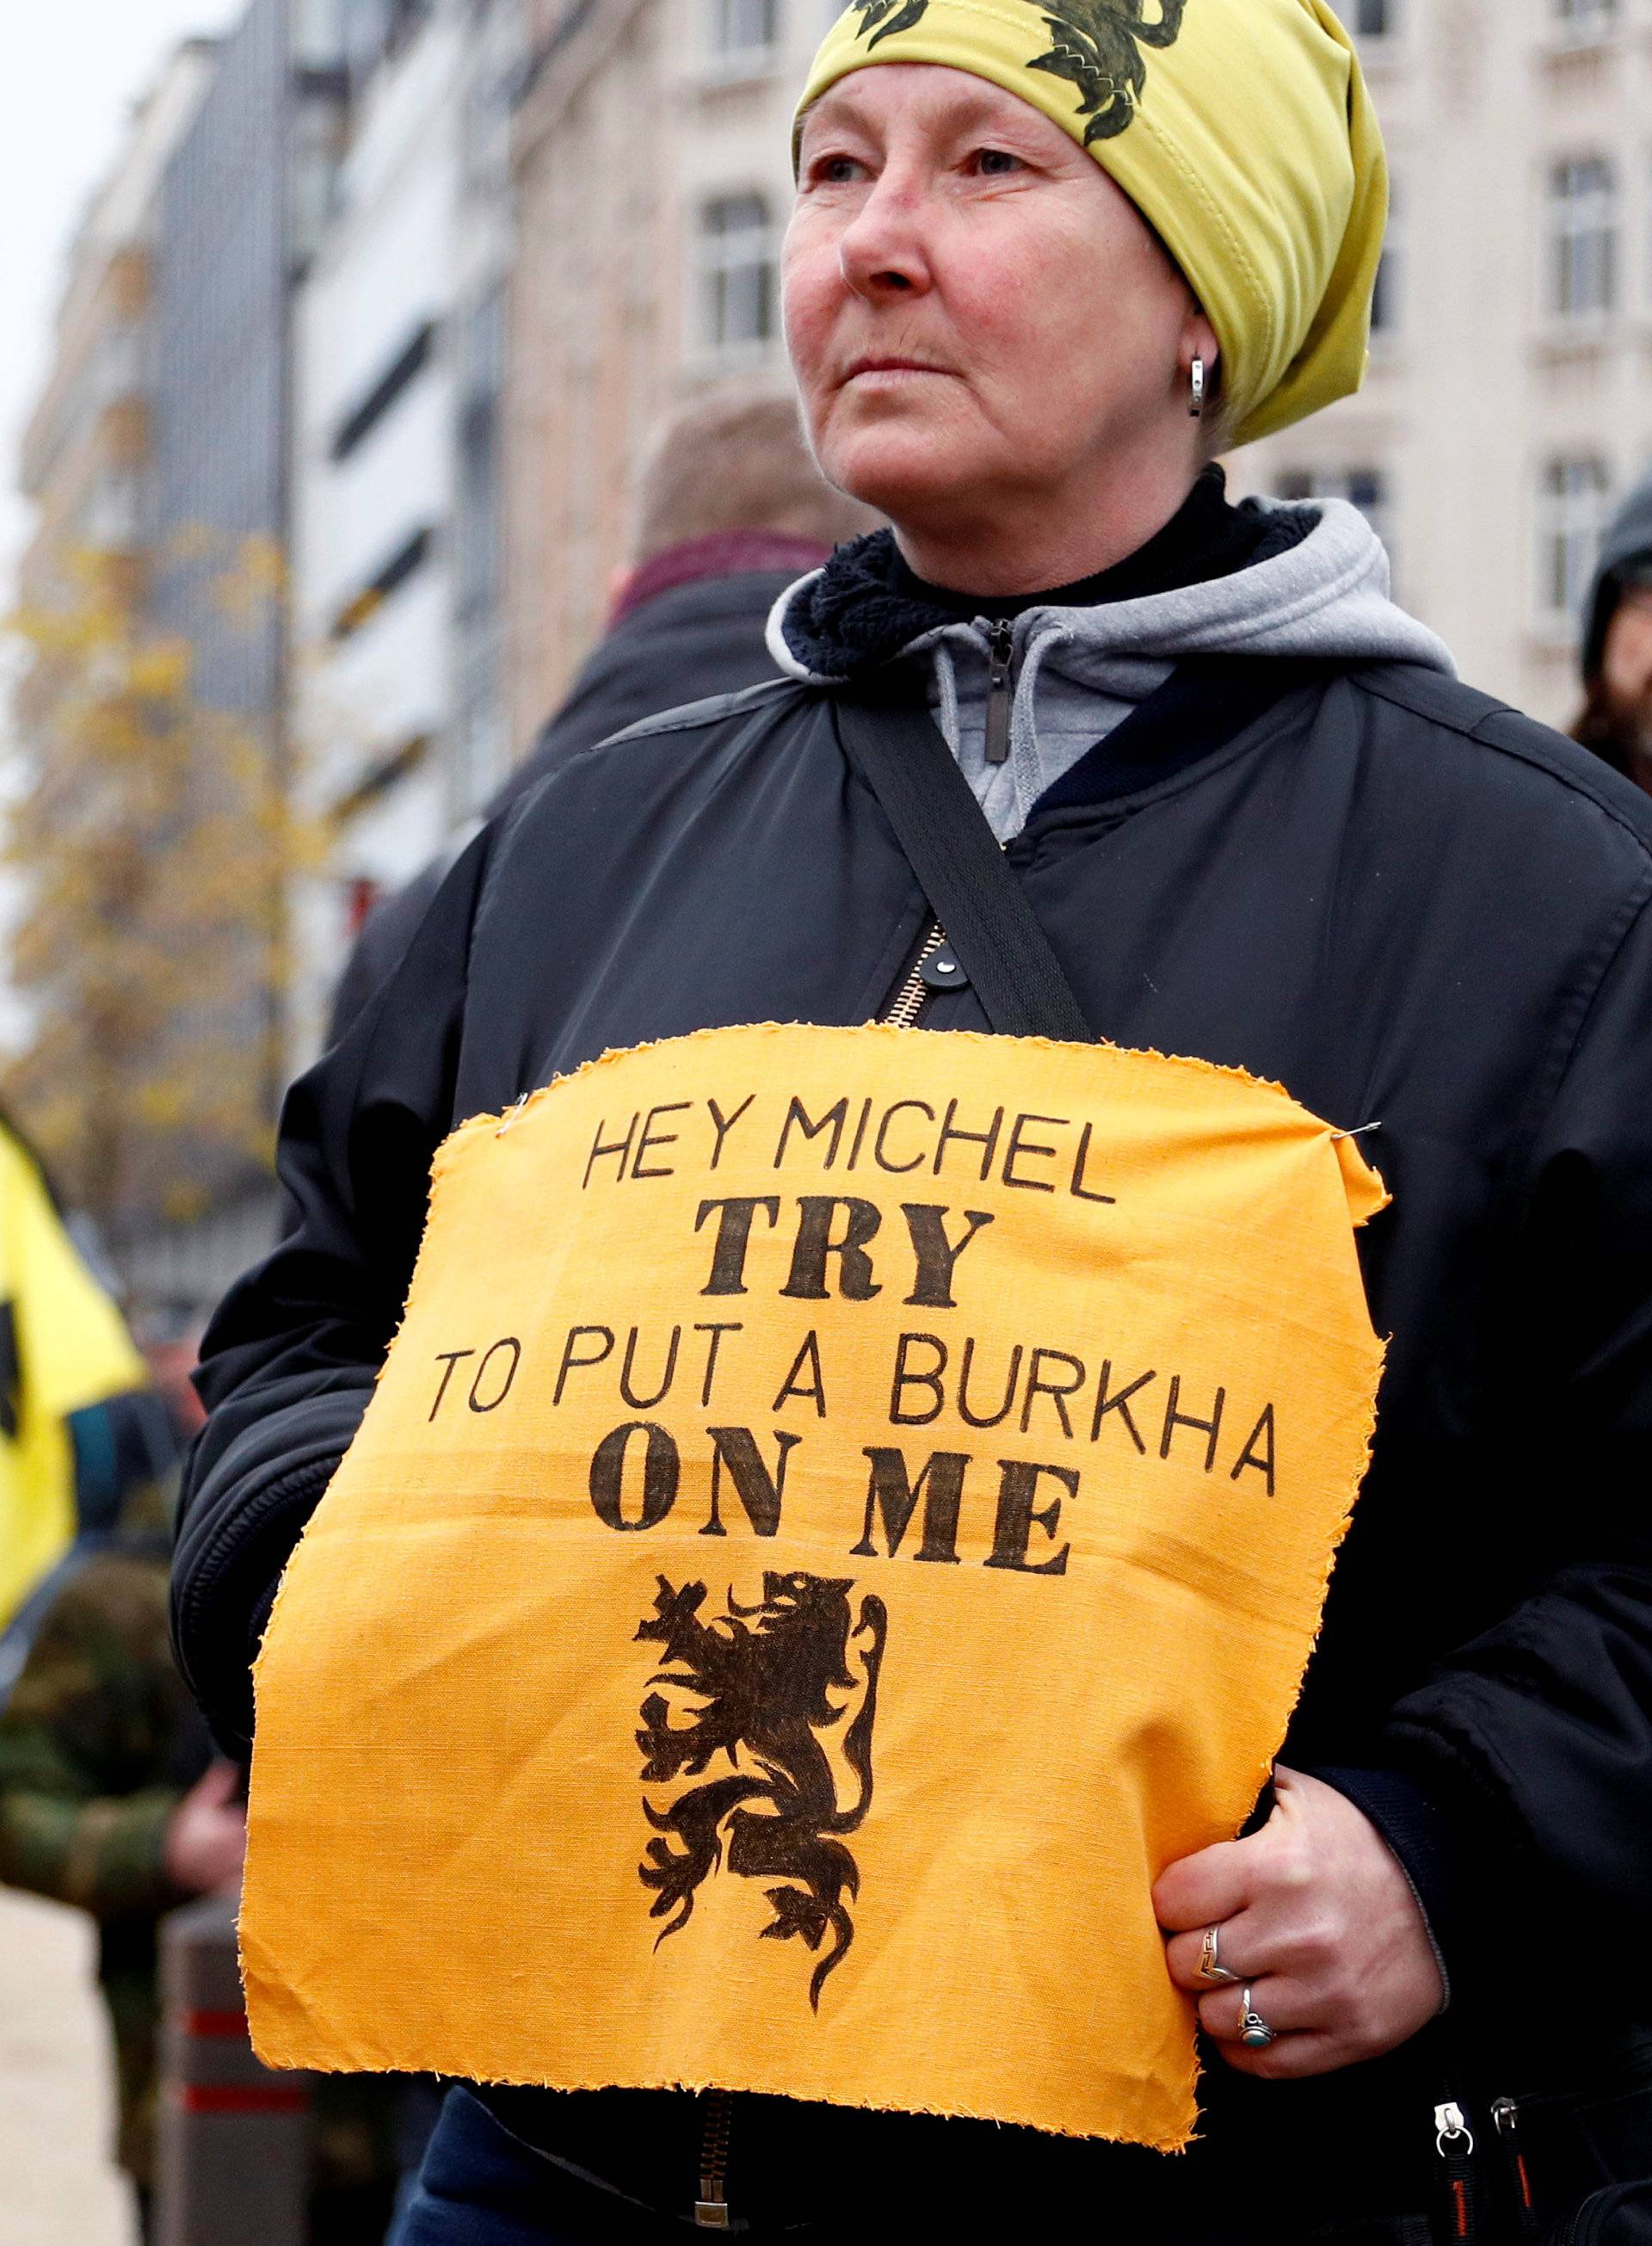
{"x": 154, "y": 843}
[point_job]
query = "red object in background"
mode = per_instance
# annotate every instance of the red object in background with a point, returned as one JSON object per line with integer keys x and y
{"x": 170, "y": 1366}
{"x": 362, "y": 894}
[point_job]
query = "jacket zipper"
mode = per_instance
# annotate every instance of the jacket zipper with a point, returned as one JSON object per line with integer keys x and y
{"x": 1506, "y": 2114}
{"x": 1455, "y": 2145}
{"x": 1000, "y": 648}
{"x": 908, "y": 1000}
{"x": 711, "y": 2209}
{"x": 904, "y": 1008}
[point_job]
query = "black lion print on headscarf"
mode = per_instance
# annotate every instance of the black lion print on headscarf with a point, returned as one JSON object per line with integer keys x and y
{"x": 882, "y": 18}
{"x": 1097, "y": 47}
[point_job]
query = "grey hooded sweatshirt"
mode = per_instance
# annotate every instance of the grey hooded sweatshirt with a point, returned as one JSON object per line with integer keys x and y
{"x": 1076, "y": 673}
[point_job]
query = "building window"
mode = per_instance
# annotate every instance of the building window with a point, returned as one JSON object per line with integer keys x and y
{"x": 477, "y": 523}
{"x": 408, "y": 559}
{"x": 1375, "y": 19}
{"x": 407, "y": 19}
{"x": 1585, "y": 19}
{"x": 743, "y": 28}
{"x": 362, "y": 34}
{"x": 740, "y": 286}
{"x": 1365, "y": 488}
{"x": 1574, "y": 499}
{"x": 407, "y": 364}
{"x": 373, "y": 31}
{"x": 1583, "y": 238}
{"x": 1385, "y": 297}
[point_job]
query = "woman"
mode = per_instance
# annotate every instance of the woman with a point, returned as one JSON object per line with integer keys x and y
{"x": 1043, "y": 263}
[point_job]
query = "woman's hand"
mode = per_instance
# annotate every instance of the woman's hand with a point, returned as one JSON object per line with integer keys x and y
{"x": 1320, "y": 1921}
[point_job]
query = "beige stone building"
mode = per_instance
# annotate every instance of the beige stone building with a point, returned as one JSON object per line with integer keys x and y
{"x": 1508, "y": 404}
{"x": 652, "y": 184}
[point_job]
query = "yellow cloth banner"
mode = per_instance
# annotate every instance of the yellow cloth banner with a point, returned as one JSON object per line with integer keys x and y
{"x": 843, "y": 1509}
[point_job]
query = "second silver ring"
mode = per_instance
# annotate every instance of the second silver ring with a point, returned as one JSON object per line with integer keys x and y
{"x": 1253, "y": 2031}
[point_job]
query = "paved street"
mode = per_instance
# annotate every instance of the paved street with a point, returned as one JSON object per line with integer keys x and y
{"x": 58, "y": 2187}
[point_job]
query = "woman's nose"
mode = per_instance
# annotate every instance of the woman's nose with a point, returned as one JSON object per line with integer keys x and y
{"x": 884, "y": 252}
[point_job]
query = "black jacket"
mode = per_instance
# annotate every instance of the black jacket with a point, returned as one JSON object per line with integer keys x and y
{"x": 702, "y": 638}
{"x": 1414, "y": 909}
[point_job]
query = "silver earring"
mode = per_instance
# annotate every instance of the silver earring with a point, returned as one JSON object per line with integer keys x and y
{"x": 1196, "y": 406}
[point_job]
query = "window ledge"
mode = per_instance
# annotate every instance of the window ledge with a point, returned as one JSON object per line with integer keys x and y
{"x": 1558, "y": 48}
{"x": 1551, "y": 639}
{"x": 713, "y": 362}
{"x": 1591, "y": 336}
{"x": 721, "y": 73}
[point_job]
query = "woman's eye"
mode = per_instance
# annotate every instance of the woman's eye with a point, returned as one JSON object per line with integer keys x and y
{"x": 835, "y": 171}
{"x": 997, "y": 162}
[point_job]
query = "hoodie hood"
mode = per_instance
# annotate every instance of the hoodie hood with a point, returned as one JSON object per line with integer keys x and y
{"x": 1317, "y": 590}
{"x": 1324, "y": 596}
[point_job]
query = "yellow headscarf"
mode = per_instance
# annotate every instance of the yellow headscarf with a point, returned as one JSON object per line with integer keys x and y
{"x": 1242, "y": 129}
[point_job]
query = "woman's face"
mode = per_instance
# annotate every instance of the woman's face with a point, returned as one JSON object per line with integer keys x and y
{"x": 977, "y": 317}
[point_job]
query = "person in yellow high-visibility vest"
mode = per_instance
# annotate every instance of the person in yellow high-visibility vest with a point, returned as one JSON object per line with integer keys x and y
{"x": 76, "y": 1418}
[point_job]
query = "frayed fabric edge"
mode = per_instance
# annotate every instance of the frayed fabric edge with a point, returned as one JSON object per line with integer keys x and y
{"x": 502, "y": 1121}
{"x": 267, "y": 2053}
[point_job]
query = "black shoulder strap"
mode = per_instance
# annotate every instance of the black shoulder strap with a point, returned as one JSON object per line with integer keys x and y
{"x": 898, "y": 751}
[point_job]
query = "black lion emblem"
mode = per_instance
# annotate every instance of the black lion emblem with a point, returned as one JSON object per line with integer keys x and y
{"x": 881, "y": 18}
{"x": 758, "y": 1682}
{"x": 1097, "y": 47}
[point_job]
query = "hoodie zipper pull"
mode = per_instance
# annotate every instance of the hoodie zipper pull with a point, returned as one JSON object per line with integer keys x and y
{"x": 1455, "y": 2145}
{"x": 1506, "y": 2114}
{"x": 1001, "y": 647}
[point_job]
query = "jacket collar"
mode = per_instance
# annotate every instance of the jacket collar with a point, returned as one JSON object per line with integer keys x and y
{"x": 718, "y": 553}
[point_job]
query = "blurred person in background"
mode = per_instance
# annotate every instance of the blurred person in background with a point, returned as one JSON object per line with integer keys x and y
{"x": 111, "y": 1798}
{"x": 1616, "y": 720}
{"x": 729, "y": 510}
{"x": 113, "y": 1801}
{"x": 115, "y": 1805}
{"x": 81, "y": 1424}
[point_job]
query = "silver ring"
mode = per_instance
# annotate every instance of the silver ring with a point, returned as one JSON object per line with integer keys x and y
{"x": 1253, "y": 2031}
{"x": 1211, "y": 1967}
